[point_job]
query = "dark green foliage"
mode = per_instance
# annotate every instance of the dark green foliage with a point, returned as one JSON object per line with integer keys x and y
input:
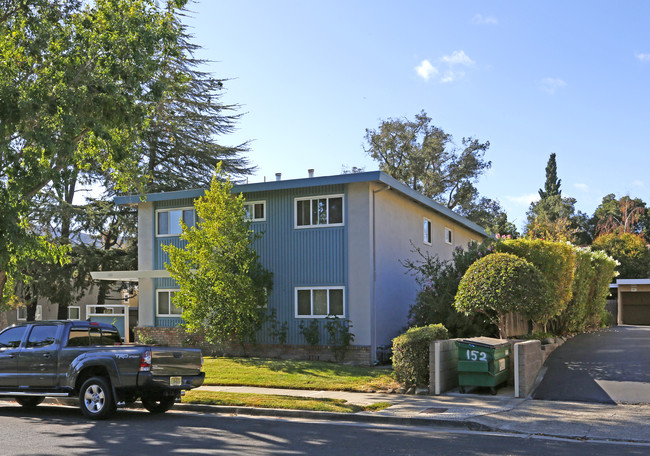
{"x": 340, "y": 336}
{"x": 425, "y": 158}
{"x": 556, "y": 262}
{"x": 311, "y": 332}
{"x": 277, "y": 330}
{"x": 411, "y": 353}
{"x": 499, "y": 284}
{"x": 552, "y": 184}
{"x": 439, "y": 283}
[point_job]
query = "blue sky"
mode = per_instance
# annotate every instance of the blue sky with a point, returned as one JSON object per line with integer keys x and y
{"x": 533, "y": 78}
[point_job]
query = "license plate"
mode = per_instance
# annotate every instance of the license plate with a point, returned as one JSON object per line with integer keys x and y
{"x": 175, "y": 381}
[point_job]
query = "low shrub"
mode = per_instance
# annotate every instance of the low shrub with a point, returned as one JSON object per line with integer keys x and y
{"x": 411, "y": 353}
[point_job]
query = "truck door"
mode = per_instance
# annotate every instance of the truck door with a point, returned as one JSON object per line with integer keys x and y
{"x": 9, "y": 348}
{"x": 38, "y": 360}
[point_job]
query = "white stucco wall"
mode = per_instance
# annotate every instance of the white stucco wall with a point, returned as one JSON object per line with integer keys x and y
{"x": 146, "y": 225}
{"x": 359, "y": 248}
{"x": 399, "y": 229}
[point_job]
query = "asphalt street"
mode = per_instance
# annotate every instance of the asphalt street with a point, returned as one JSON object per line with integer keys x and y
{"x": 609, "y": 366}
{"x": 51, "y": 430}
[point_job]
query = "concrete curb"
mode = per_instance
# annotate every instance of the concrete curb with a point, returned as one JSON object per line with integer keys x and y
{"x": 334, "y": 416}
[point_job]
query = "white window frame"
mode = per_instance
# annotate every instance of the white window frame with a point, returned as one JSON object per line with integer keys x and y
{"x": 78, "y": 310}
{"x": 252, "y": 211}
{"x": 295, "y": 294}
{"x": 449, "y": 236}
{"x": 427, "y": 235}
{"x": 167, "y": 290}
{"x": 313, "y": 198}
{"x": 24, "y": 312}
{"x": 181, "y": 209}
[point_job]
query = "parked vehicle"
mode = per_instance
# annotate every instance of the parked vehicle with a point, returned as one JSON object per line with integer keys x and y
{"x": 88, "y": 360}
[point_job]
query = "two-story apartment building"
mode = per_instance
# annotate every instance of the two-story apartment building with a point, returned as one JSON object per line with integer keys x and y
{"x": 333, "y": 244}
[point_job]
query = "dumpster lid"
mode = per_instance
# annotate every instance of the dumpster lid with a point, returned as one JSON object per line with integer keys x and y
{"x": 488, "y": 342}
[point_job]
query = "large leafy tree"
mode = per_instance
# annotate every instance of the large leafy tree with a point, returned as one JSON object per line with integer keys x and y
{"x": 629, "y": 250}
{"x": 78, "y": 84}
{"x": 425, "y": 158}
{"x": 621, "y": 215}
{"x": 223, "y": 287}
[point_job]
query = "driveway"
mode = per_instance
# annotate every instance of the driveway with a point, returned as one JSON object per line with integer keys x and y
{"x": 609, "y": 366}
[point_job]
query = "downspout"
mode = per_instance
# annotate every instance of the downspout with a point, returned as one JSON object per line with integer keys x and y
{"x": 373, "y": 300}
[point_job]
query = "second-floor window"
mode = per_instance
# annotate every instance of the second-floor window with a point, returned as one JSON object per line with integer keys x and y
{"x": 255, "y": 211}
{"x": 427, "y": 231}
{"x": 168, "y": 222}
{"x": 319, "y": 211}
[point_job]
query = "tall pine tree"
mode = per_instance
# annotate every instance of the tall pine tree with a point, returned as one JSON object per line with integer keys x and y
{"x": 552, "y": 185}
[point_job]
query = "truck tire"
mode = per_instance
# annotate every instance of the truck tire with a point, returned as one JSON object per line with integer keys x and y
{"x": 29, "y": 402}
{"x": 159, "y": 404}
{"x": 96, "y": 398}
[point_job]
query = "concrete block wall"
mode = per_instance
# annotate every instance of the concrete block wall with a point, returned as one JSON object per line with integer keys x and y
{"x": 443, "y": 366}
{"x": 528, "y": 360}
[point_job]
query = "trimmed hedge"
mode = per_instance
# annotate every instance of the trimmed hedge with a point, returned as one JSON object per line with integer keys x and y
{"x": 604, "y": 270}
{"x": 499, "y": 284}
{"x": 556, "y": 261}
{"x": 574, "y": 316}
{"x": 411, "y": 353}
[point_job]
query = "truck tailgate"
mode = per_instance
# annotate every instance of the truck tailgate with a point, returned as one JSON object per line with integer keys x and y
{"x": 170, "y": 361}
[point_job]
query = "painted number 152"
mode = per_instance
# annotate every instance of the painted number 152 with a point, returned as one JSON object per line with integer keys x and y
{"x": 475, "y": 355}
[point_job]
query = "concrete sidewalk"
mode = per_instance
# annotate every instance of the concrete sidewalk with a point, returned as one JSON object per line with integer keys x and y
{"x": 574, "y": 420}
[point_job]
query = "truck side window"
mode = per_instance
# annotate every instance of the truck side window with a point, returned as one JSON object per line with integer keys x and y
{"x": 12, "y": 337}
{"x": 78, "y": 338}
{"x": 42, "y": 336}
{"x": 111, "y": 337}
{"x": 95, "y": 336}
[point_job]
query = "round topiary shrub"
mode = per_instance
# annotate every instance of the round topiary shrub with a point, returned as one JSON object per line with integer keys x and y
{"x": 499, "y": 284}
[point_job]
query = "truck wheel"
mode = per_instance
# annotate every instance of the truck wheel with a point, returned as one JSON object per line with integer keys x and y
{"x": 29, "y": 402}
{"x": 158, "y": 405}
{"x": 96, "y": 398}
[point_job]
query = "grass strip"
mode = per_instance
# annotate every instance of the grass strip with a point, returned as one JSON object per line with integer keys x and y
{"x": 279, "y": 402}
{"x": 277, "y": 373}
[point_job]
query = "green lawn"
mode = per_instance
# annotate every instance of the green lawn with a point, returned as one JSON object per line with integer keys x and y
{"x": 276, "y": 373}
{"x": 278, "y": 402}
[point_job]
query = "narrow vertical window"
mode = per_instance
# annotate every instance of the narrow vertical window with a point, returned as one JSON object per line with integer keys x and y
{"x": 448, "y": 237}
{"x": 427, "y": 231}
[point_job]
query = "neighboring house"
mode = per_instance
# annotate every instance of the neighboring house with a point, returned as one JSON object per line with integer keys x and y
{"x": 333, "y": 244}
{"x": 116, "y": 302}
{"x": 632, "y": 297}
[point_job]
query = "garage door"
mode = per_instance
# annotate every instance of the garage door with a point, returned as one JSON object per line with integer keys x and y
{"x": 636, "y": 308}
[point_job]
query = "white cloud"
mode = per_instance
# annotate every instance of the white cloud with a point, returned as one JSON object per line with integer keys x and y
{"x": 457, "y": 58}
{"x": 638, "y": 183}
{"x": 425, "y": 70}
{"x": 643, "y": 57}
{"x": 453, "y": 67}
{"x": 484, "y": 20}
{"x": 524, "y": 200}
{"x": 582, "y": 187}
{"x": 550, "y": 85}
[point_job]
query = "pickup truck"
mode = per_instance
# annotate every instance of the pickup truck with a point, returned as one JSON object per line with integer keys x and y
{"x": 87, "y": 360}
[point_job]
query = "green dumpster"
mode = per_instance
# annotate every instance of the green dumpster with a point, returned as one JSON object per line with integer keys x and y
{"x": 483, "y": 361}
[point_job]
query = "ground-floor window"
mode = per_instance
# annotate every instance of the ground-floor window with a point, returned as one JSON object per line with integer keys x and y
{"x": 319, "y": 302}
{"x": 165, "y": 306}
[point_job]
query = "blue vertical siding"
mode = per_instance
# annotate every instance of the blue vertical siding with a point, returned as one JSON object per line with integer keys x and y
{"x": 296, "y": 257}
